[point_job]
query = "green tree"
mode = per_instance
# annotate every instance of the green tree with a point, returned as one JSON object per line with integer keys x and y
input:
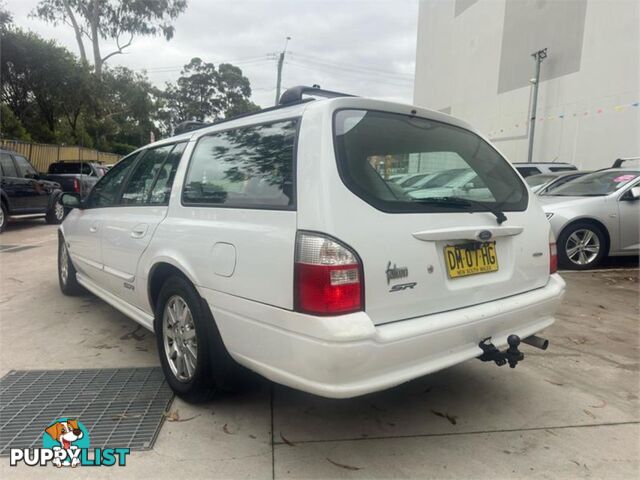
{"x": 40, "y": 82}
{"x": 115, "y": 20}
{"x": 10, "y": 125}
{"x": 205, "y": 93}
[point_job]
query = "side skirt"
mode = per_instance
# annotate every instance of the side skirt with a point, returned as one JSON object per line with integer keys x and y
{"x": 141, "y": 317}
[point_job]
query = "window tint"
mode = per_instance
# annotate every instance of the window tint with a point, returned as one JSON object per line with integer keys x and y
{"x": 161, "y": 190}
{"x": 527, "y": 171}
{"x": 370, "y": 145}
{"x": 63, "y": 168}
{"x": 105, "y": 192}
{"x": 248, "y": 167}
{"x": 141, "y": 180}
{"x": 8, "y": 168}
{"x": 25, "y": 168}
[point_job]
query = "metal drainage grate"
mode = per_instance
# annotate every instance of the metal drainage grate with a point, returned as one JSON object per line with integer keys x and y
{"x": 120, "y": 407}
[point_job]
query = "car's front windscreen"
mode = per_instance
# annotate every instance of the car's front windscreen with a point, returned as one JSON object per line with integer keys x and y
{"x": 373, "y": 146}
{"x": 596, "y": 184}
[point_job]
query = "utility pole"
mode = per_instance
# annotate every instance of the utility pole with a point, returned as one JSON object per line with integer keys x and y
{"x": 539, "y": 56}
{"x": 280, "y": 64}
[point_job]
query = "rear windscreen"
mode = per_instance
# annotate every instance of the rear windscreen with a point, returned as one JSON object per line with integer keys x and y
{"x": 452, "y": 162}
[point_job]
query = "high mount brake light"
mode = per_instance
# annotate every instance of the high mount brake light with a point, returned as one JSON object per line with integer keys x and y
{"x": 328, "y": 276}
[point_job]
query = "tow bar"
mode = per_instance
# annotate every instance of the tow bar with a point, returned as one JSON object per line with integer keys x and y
{"x": 511, "y": 355}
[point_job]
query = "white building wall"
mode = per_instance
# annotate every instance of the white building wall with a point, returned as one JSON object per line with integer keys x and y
{"x": 588, "y": 117}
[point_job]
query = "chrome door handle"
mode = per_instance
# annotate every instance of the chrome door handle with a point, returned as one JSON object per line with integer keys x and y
{"x": 139, "y": 231}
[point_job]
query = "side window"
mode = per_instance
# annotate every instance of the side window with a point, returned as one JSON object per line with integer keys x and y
{"x": 26, "y": 170}
{"x": 161, "y": 190}
{"x": 527, "y": 171}
{"x": 105, "y": 192}
{"x": 141, "y": 180}
{"x": 8, "y": 168}
{"x": 249, "y": 167}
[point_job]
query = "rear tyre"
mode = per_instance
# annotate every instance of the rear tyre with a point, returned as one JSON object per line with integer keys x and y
{"x": 66, "y": 272}
{"x": 56, "y": 213}
{"x": 4, "y": 217}
{"x": 193, "y": 357}
{"x": 581, "y": 246}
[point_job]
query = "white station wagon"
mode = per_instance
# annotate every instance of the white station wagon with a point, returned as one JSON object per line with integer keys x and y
{"x": 276, "y": 242}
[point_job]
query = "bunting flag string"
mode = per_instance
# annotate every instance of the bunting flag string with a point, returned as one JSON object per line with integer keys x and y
{"x": 561, "y": 116}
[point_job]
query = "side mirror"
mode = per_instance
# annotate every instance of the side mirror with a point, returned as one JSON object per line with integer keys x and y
{"x": 633, "y": 194}
{"x": 71, "y": 200}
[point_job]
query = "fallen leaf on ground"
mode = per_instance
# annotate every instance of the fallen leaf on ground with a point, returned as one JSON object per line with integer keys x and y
{"x": 342, "y": 465}
{"x": 553, "y": 383}
{"x": 589, "y": 413}
{"x": 452, "y": 418}
{"x": 291, "y": 444}
{"x": 604, "y": 404}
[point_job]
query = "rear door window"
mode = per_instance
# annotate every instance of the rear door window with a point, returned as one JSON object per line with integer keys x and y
{"x": 460, "y": 164}
{"x": 8, "y": 168}
{"x": 249, "y": 167}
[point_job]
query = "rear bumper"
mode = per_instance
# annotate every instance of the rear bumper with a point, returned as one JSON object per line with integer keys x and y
{"x": 348, "y": 356}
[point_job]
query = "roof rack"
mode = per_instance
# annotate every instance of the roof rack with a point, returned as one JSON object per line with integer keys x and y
{"x": 294, "y": 94}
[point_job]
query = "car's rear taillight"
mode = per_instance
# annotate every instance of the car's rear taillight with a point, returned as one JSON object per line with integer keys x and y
{"x": 553, "y": 253}
{"x": 328, "y": 276}
{"x": 76, "y": 185}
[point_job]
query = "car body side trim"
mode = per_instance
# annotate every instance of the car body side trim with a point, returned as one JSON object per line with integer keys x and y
{"x": 117, "y": 273}
{"x": 91, "y": 263}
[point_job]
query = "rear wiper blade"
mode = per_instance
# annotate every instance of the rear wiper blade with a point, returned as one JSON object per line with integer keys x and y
{"x": 463, "y": 202}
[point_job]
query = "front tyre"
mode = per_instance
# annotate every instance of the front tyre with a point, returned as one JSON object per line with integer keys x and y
{"x": 581, "y": 246}
{"x": 193, "y": 357}
{"x": 4, "y": 217}
{"x": 56, "y": 213}
{"x": 66, "y": 272}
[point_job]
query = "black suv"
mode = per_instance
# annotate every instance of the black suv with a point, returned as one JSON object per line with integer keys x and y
{"x": 24, "y": 193}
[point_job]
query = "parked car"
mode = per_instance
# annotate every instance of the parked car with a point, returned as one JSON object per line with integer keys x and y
{"x": 536, "y": 168}
{"x": 460, "y": 182}
{"x": 75, "y": 176}
{"x": 250, "y": 242}
{"x": 23, "y": 193}
{"x": 547, "y": 182}
{"x": 594, "y": 216}
{"x": 412, "y": 179}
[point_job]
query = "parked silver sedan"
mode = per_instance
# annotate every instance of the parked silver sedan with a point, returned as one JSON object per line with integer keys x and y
{"x": 594, "y": 216}
{"x": 546, "y": 182}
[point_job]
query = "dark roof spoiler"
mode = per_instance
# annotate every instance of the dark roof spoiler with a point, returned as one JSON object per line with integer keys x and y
{"x": 618, "y": 163}
{"x": 294, "y": 94}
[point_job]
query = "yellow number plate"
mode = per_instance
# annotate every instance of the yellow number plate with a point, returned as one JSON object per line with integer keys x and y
{"x": 463, "y": 260}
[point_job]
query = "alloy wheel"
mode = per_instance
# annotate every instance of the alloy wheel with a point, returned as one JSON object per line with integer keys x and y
{"x": 180, "y": 342}
{"x": 64, "y": 264}
{"x": 582, "y": 246}
{"x": 58, "y": 211}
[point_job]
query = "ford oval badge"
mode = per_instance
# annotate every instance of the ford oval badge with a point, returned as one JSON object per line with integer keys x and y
{"x": 485, "y": 235}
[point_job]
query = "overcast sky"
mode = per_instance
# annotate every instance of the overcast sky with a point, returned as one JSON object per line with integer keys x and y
{"x": 362, "y": 47}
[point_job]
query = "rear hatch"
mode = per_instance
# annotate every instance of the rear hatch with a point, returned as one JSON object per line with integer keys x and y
{"x": 436, "y": 249}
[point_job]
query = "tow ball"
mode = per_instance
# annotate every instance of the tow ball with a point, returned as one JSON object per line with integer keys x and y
{"x": 512, "y": 355}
